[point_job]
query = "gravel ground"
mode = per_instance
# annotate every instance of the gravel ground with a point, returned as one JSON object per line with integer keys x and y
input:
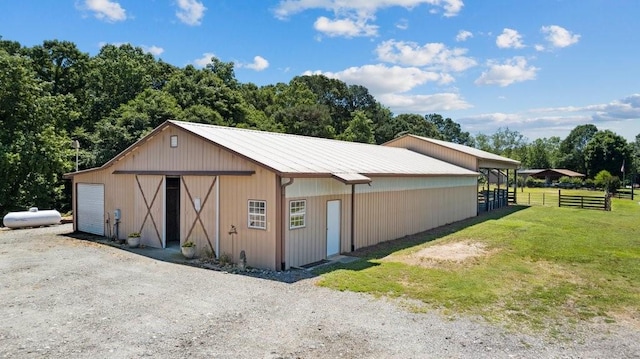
{"x": 68, "y": 298}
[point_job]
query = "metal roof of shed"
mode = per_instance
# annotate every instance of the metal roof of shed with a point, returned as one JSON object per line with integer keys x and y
{"x": 348, "y": 161}
{"x": 480, "y": 154}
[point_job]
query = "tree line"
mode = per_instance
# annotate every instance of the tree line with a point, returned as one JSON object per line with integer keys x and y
{"x": 53, "y": 93}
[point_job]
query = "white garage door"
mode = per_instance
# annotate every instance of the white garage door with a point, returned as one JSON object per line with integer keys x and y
{"x": 90, "y": 208}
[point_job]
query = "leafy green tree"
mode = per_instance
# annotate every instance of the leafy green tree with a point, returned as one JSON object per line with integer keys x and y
{"x": 34, "y": 152}
{"x": 635, "y": 169}
{"x": 307, "y": 120}
{"x": 62, "y": 65}
{"x": 132, "y": 121}
{"x": 504, "y": 142}
{"x": 193, "y": 86}
{"x": 117, "y": 75}
{"x": 449, "y": 130}
{"x": 360, "y": 129}
{"x": 572, "y": 148}
{"x": 606, "y": 151}
{"x": 605, "y": 181}
{"x": 538, "y": 157}
{"x": 405, "y": 124}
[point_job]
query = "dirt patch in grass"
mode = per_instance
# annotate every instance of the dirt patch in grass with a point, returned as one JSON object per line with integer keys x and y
{"x": 455, "y": 252}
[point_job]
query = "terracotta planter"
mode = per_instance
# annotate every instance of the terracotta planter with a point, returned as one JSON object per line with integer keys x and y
{"x": 189, "y": 252}
{"x": 133, "y": 242}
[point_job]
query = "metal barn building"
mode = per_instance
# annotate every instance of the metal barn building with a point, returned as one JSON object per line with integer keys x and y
{"x": 285, "y": 200}
{"x": 497, "y": 170}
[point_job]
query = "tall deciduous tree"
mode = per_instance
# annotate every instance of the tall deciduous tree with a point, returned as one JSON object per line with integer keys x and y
{"x": 34, "y": 152}
{"x": 360, "y": 129}
{"x": 572, "y": 148}
{"x": 538, "y": 157}
{"x": 449, "y": 130}
{"x": 405, "y": 124}
{"x": 132, "y": 121}
{"x": 606, "y": 151}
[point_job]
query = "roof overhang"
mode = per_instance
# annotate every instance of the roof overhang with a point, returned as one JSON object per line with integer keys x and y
{"x": 351, "y": 178}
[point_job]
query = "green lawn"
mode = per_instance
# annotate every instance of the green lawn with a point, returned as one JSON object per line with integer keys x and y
{"x": 543, "y": 266}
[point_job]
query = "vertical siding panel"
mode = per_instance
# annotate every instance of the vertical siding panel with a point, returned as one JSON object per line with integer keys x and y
{"x": 258, "y": 244}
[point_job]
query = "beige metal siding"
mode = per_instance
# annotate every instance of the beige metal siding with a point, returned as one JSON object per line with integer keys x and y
{"x": 258, "y": 244}
{"x": 118, "y": 194}
{"x": 432, "y": 150}
{"x": 383, "y": 216}
{"x": 309, "y": 244}
{"x": 202, "y": 232}
{"x": 192, "y": 154}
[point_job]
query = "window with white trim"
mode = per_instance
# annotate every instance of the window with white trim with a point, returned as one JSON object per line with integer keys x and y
{"x": 297, "y": 214}
{"x": 258, "y": 214}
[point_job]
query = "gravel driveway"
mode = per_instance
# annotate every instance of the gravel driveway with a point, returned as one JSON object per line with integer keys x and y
{"x": 69, "y": 298}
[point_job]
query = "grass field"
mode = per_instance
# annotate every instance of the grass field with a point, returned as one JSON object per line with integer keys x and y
{"x": 539, "y": 267}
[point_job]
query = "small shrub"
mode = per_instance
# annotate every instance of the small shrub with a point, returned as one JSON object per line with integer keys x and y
{"x": 188, "y": 244}
{"x": 533, "y": 182}
{"x": 134, "y": 235}
{"x": 225, "y": 259}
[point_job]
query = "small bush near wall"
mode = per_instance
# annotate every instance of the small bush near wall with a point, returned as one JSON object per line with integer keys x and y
{"x": 533, "y": 182}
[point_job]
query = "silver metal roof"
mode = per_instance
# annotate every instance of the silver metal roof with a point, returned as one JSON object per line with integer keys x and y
{"x": 293, "y": 154}
{"x": 469, "y": 150}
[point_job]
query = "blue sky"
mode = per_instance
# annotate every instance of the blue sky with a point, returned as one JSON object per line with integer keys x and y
{"x": 539, "y": 67}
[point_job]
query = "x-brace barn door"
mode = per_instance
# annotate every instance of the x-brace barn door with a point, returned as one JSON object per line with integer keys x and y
{"x": 200, "y": 211}
{"x": 149, "y": 217}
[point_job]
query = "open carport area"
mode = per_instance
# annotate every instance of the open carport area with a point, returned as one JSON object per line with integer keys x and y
{"x": 65, "y": 297}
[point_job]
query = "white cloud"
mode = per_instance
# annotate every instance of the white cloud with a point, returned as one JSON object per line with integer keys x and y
{"x": 345, "y": 27}
{"x": 191, "y": 12}
{"x": 402, "y": 24}
{"x": 106, "y": 10}
{"x": 509, "y": 39}
{"x": 620, "y": 116}
{"x": 539, "y": 47}
{"x": 627, "y": 108}
{"x": 259, "y": 63}
{"x": 204, "y": 60}
{"x": 559, "y": 36}
{"x": 511, "y": 71}
{"x": 153, "y": 50}
{"x": 381, "y": 79}
{"x": 287, "y": 8}
{"x": 463, "y": 35}
{"x": 435, "y": 56}
{"x": 401, "y": 103}
{"x": 352, "y": 18}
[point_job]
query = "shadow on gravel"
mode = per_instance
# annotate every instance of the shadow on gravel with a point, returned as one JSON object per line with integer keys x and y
{"x": 172, "y": 254}
{"x": 357, "y": 261}
{"x": 384, "y": 249}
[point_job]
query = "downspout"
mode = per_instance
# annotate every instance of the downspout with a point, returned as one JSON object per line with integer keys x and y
{"x": 283, "y": 225}
{"x": 218, "y": 217}
{"x": 353, "y": 220}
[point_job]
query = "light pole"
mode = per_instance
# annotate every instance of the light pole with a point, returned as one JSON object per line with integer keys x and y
{"x": 76, "y": 145}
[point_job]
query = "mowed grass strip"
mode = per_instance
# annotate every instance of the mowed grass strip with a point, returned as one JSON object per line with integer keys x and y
{"x": 541, "y": 267}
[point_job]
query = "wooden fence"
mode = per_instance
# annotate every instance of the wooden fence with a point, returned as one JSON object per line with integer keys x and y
{"x": 587, "y": 202}
{"x": 624, "y": 193}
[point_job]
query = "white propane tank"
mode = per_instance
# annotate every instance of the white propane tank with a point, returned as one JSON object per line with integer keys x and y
{"x": 31, "y": 218}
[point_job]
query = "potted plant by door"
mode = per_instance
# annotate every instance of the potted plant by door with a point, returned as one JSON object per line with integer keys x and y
{"x": 188, "y": 249}
{"x": 133, "y": 240}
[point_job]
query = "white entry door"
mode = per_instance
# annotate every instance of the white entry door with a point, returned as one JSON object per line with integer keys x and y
{"x": 333, "y": 228}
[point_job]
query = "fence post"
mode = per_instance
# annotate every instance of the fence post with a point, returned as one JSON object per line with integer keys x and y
{"x": 529, "y": 198}
{"x": 559, "y": 198}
